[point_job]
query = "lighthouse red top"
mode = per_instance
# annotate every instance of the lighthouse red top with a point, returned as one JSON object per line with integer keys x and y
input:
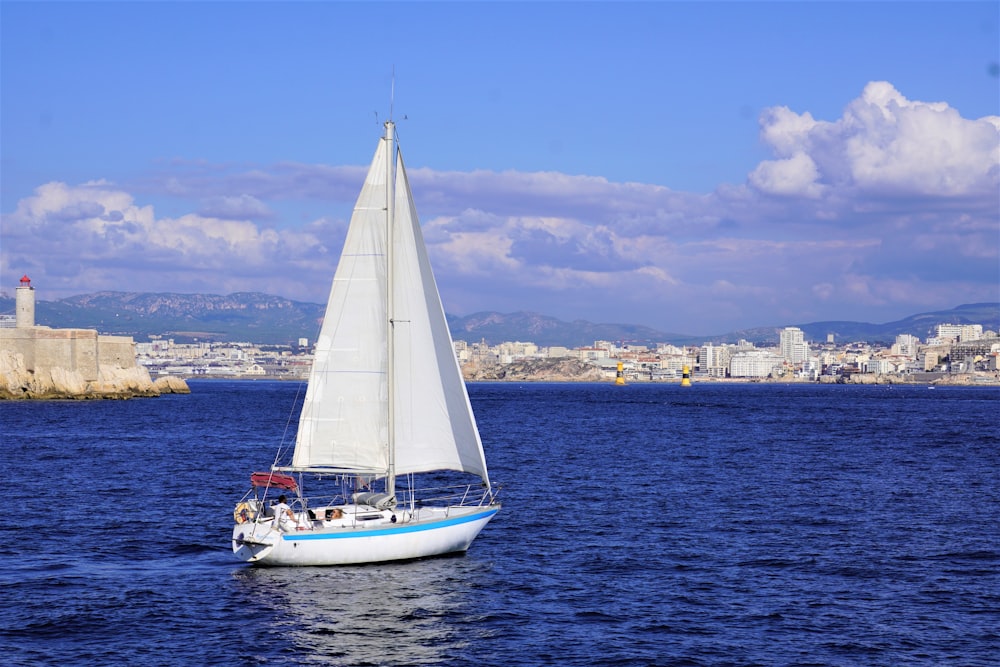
{"x": 25, "y": 281}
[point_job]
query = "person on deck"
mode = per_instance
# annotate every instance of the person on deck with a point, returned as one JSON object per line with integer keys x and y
{"x": 284, "y": 516}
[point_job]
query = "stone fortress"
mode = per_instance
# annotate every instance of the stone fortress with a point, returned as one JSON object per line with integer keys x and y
{"x": 38, "y": 362}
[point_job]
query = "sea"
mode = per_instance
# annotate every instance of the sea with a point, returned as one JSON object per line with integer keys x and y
{"x": 650, "y": 524}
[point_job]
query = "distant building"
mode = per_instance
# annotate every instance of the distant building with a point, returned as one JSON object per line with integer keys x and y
{"x": 793, "y": 347}
{"x": 755, "y": 364}
{"x": 906, "y": 345}
{"x": 713, "y": 360}
{"x": 958, "y": 332}
{"x": 970, "y": 333}
{"x": 672, "y": 365}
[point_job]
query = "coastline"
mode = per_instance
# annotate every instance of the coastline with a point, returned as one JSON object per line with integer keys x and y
{"x": 963, "y": 379}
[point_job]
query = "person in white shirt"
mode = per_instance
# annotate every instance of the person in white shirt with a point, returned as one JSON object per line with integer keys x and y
{"x": 284, "y": 516}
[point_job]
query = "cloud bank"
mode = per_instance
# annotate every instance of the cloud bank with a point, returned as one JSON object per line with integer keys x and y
{"x": 891, "y": 209}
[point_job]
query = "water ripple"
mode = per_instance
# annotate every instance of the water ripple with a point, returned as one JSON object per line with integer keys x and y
{"x": 645, "y": 525}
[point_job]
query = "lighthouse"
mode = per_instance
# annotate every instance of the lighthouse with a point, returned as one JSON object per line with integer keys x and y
{"x": 25, "y": 304}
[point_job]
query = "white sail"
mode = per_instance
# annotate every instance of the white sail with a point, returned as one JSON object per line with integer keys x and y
{"x": 344, "y": 423}
{"x": 435, "y": 428}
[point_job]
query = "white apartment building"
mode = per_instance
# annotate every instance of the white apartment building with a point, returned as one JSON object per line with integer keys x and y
{"x": 713, "y": 360}
{"x": 970, "y": 332}
{"x": 793, "y": 346}
{"x": 945, "y": 332}
{"x": 755, "y": 364}
{"x": 958, "y": 332}
{"x": 676, "y": 362}
{"x": 882, "y": 366}
{"x": 462, "y": 351}
{"x": 906, "y": 345}
{"x": 508, "y": 351}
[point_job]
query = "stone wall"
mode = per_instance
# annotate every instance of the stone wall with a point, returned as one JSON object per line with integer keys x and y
{"x": 44, "y": 363}
{"x": 116, "y": 351}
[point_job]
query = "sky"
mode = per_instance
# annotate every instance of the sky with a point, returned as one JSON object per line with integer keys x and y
{"x": 695, "y": 167}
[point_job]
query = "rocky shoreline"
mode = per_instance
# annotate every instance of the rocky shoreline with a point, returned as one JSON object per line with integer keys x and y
{"x": 536, "y": 370}
{"x": 18, "y": 383}
{"x": 941, "y": 379}
{"x": 574, "y": 370}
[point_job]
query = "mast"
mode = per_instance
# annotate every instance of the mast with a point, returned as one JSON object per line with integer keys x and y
{"x": 390, "y": 207}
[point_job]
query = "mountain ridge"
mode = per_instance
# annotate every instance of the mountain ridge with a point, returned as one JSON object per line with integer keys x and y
{"x": 267, "y": 319}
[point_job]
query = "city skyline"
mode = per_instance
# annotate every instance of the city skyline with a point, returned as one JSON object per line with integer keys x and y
{"x": 736, "y": 164}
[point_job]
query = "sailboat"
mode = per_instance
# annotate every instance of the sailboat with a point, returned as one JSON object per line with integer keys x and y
{"x": 386, "y": 432}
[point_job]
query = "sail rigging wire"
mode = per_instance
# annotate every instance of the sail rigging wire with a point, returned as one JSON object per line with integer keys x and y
{"x": 284, "y": 445}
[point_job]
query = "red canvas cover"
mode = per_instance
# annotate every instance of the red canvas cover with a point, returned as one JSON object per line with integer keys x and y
{"x": 278, "y": 480}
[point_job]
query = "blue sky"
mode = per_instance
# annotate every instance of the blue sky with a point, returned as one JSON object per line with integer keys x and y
{"x": 693, "y": 167}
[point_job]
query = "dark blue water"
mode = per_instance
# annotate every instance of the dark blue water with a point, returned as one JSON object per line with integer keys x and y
{"x": 644, "y": 525}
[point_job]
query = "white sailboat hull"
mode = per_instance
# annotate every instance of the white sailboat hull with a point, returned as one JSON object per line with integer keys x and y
{"x": 427, "y": 532}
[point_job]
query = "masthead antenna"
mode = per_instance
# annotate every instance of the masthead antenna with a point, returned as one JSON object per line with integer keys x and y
{"x": 392, "y": 91}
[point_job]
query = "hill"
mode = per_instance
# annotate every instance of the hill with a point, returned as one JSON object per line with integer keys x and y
{"x": 920, "y": 325}
{"x": 548, "y": 331}
{"x": 545, "y": 331}
{"x": 243, "y": 316}
{"x": 267, "y": 319}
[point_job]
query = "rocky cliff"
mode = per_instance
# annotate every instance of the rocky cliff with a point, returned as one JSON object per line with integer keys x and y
{"x": 537, "y": 370}
{"x": 978, "y": 378}
{"x": 17, "y": 382}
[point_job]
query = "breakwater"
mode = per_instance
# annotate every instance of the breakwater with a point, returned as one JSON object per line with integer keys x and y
{"x": 43, "y": 363}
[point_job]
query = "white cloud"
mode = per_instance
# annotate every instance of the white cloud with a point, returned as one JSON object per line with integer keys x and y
{"x": 235, "y": 207}
{"x": 796, "y": 175}
{"x": 884, "y": 145}
{"x": 894, "y": 205}
{"x": 101, "y": 227}
{"x": 787, "y": 132}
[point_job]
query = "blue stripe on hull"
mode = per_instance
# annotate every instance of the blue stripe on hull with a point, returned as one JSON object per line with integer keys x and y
{"x": 395, "y": 530}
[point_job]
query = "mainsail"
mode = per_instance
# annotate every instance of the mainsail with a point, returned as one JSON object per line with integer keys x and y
{"x": 344, "y": 425}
